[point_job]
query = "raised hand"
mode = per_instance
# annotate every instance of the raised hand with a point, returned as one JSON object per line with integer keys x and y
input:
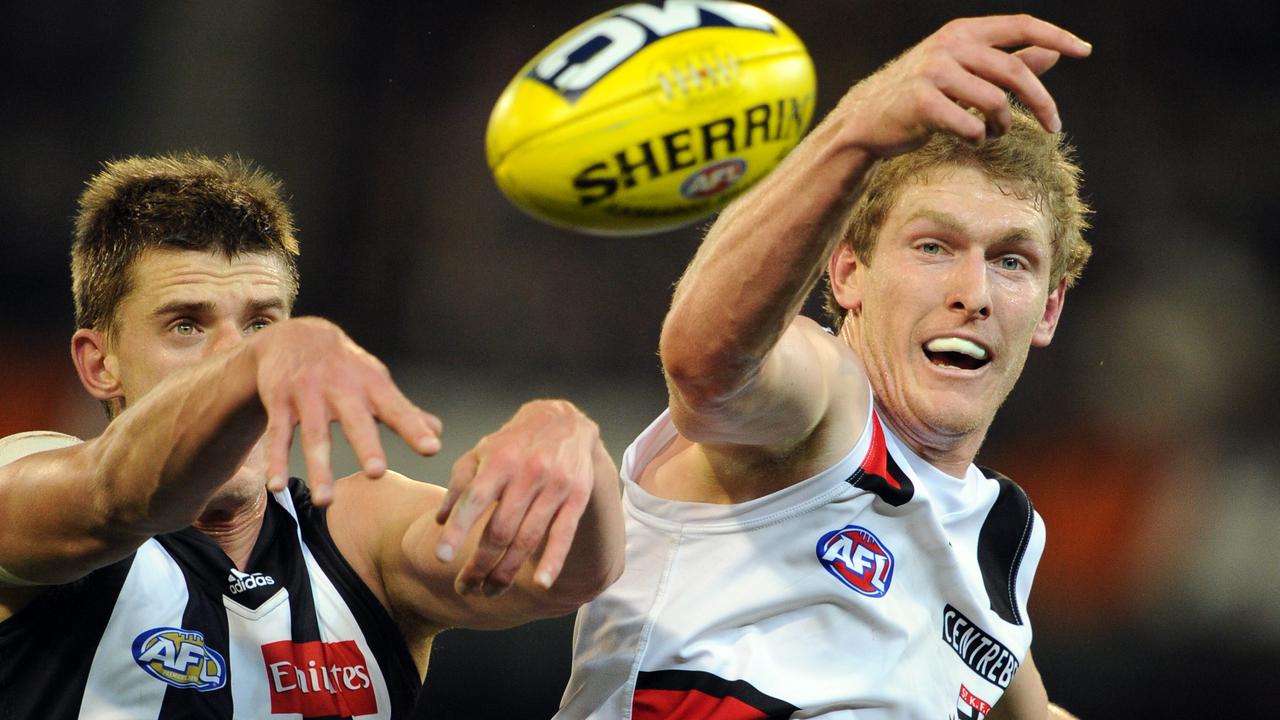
{"x": 539, "y": 469}
{"x": 965, "y": 64}
{"x": 310, "y": 374}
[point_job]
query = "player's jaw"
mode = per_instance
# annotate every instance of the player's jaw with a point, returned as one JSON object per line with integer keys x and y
{"x": 957, "y": 379}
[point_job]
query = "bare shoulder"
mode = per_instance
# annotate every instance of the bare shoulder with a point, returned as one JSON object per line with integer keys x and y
{"x": 19, "y": 445}
{"x": 369, "y": 513}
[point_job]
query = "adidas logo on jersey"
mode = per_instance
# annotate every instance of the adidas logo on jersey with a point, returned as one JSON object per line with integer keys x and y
{"x": 238, "y": 582}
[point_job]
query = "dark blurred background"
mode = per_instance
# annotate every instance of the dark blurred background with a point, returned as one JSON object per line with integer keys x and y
{"x": 1146, "y": 434}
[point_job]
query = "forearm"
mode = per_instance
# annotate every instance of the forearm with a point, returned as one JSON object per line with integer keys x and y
{"x": 758, "y": 264}
{"x": 159, "y": 462}
{"x": 67, "y": 512}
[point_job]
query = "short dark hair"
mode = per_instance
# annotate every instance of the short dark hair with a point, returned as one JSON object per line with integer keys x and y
{"x": 180, "y": 201}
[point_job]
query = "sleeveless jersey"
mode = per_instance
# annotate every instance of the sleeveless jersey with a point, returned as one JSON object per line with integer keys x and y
{"x": 878, "y": 588}
{"x": 176, "y": 631}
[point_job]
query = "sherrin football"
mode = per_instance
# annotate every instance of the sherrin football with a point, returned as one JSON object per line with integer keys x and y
{"x": 651, "y": 116}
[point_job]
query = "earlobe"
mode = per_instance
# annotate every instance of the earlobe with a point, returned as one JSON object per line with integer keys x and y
{"x": 95, "y": 365}
{"x": 1048, "y": 324}
{"x": 841, "y": 270}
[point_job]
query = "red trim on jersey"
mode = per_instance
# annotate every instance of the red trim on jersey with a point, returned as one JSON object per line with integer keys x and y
{"x": 652, "y": 704}
{"x": 877, "y": 460}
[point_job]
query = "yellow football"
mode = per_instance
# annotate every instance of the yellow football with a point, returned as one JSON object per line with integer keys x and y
{"x": 649, "y": 117}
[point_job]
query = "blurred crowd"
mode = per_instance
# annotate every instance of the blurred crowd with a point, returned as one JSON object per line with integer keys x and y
{"x": 1146, "y": 435}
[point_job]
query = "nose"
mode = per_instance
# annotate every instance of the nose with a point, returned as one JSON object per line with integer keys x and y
{"x": 969, "y": 287}
{"x": 225, "y": 336}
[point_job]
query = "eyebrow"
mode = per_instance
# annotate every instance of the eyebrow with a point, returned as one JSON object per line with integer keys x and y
{"x": 1016, "y": 236}
{"x": 182, "y": 307}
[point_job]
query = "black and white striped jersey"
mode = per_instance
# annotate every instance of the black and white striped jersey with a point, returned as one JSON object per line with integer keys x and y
{"x": 176, "y": 631}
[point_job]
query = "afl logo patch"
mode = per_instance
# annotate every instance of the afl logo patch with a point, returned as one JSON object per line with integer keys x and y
{"x": 180, "y": 658}
{"x": 856, "y": 557}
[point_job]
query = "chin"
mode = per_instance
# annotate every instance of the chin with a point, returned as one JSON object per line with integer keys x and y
{"x": 956, "y": 416}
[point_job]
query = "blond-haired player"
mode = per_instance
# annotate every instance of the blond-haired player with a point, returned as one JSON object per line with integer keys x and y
{"x": 807, "y": 534}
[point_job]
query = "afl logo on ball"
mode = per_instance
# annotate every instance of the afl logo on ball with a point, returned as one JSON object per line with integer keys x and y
{"x": 857, "y": 558}
{"x": 713, "y": 179}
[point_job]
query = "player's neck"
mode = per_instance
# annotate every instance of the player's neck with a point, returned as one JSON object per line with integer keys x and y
{"x": 235, "y": 529}
{"x": 952, "y": 462}
{"x": 952, "y": 454}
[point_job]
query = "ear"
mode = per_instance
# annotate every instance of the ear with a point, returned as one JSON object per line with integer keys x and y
{"x": 1043, "y": 334}
{"x": 841, "y": 269}
{"x": 98, "y": 369}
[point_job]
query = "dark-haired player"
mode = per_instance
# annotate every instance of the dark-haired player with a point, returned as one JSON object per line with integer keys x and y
{"x": 169, "y": 568}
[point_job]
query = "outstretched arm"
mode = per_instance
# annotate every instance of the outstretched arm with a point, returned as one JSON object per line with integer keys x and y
{"x": 740, "y": 371}
{"x": 67, "y": 512}
{"x": 531, "y": 527}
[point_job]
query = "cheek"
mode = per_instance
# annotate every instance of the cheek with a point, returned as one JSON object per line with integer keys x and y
{"x": 144, "y": 366}
{"x": 1023, "y": 314}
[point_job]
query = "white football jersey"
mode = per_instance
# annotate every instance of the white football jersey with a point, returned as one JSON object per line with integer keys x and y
{"x": 878, "y": 588}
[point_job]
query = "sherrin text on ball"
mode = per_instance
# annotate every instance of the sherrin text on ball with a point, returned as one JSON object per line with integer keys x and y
{"x": 649, "y": 117}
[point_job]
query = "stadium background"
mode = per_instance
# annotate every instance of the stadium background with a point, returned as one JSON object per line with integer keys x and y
{"x": 1145, "y": 434}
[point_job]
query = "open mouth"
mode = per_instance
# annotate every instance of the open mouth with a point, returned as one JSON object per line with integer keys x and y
{"x": 956, "y": 353}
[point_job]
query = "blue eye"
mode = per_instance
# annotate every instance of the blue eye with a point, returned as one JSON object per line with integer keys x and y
{"x": 258, "y": 324}
{"x": 931, "y": 248}
{"x": 1010, "y": 263}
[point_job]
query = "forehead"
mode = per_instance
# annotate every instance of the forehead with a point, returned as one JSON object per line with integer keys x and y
{"x": 970, "y": 201}
{"x": 164, "y": 274}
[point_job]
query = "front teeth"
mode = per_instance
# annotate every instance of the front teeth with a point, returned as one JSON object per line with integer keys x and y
{"x": 959, "y": 345}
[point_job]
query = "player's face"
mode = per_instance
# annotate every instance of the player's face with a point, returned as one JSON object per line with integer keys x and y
{"x": 185, "y": 306}
{"x": 955, "y": 294}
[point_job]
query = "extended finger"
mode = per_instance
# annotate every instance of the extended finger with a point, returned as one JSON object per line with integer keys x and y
{"x": 1008, "y": 71}
{"x": 941, "y": 112}
{"x": 361, "y": 432}
{"x": 1013, "y": 30}
{"x": 420, "y": 429}
{"x": 464, "y": 469}
{"x": 560, "y": 540}
{"x": 971, "y": 90}
{"x": 279, "y": 438}
{"x": 517, "y": 493}
{"x": 1037, "y": 59}
{"x": 471, "y": 503}
{"x": 313, "y": 428}
{"x": 532, "y": 530}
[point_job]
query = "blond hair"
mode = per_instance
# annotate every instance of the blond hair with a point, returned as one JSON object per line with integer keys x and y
{"x": 1026, "y": 161}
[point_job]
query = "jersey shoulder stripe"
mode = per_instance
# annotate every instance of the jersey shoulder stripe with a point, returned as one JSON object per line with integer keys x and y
{"x": 379, "y": 628}
{"x": 880, "y": 473}
{"x": 1002, "y": 543}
